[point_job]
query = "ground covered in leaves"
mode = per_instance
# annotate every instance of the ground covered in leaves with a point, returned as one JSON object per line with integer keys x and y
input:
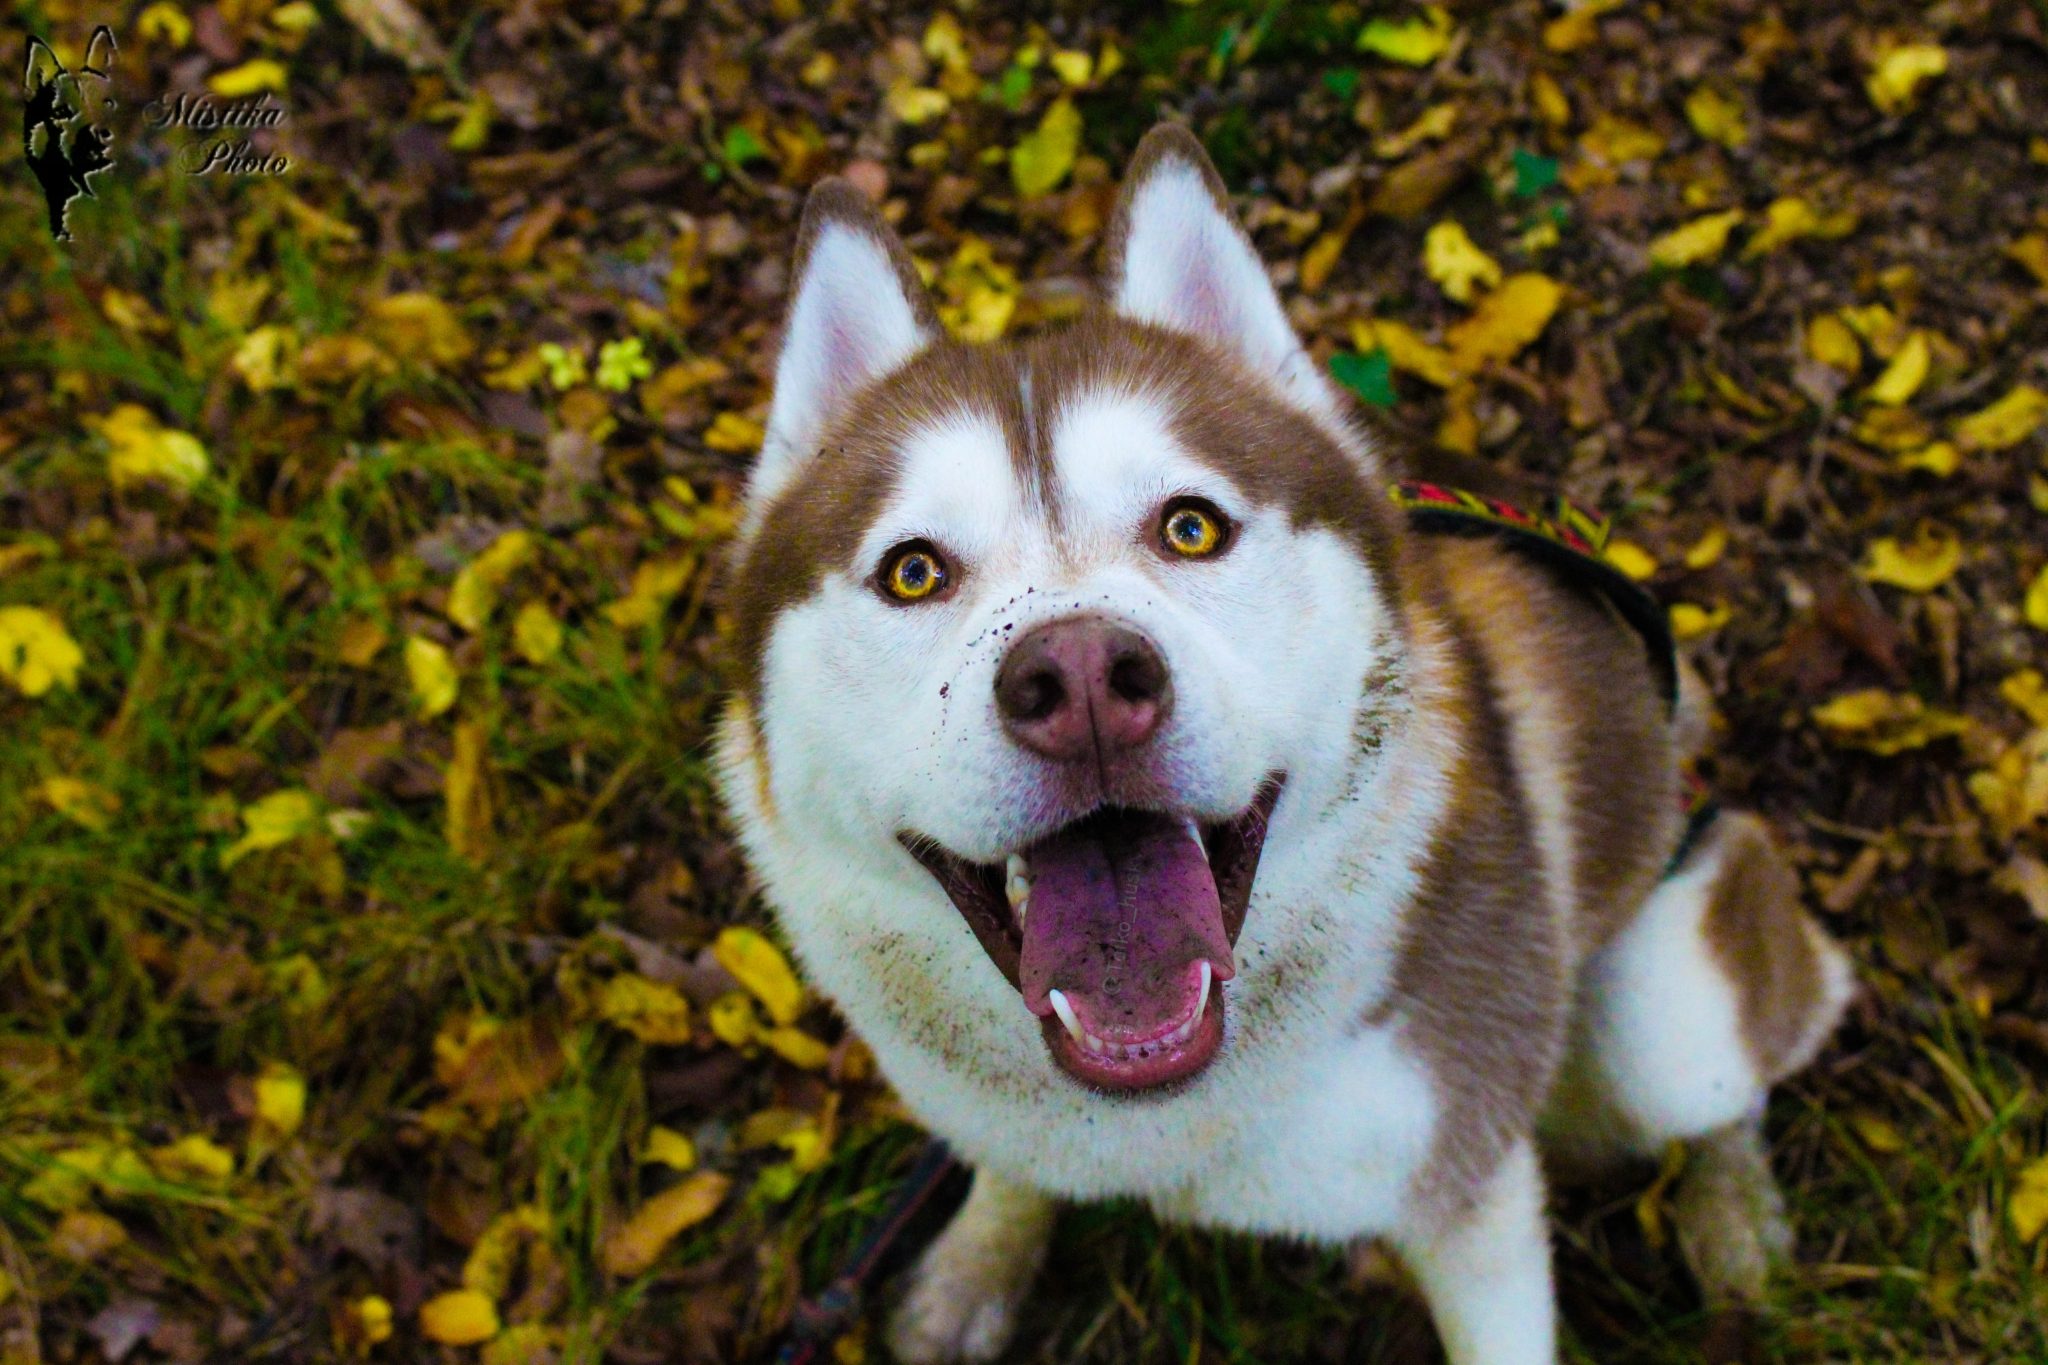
{"x": 374, "y": 978}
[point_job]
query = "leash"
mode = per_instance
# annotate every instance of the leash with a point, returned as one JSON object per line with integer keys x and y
{"x": 822, "y": 1318}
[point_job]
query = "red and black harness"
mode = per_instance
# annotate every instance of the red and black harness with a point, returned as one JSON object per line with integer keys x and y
{"x": 1563, "y": 536}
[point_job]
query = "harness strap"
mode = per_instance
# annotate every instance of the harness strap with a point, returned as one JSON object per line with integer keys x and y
{"x": 1570, "y": 539}
{"x": 1564, "y": 536}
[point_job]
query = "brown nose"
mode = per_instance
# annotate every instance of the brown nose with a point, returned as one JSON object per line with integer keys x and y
{"x": 1082, "y": 686}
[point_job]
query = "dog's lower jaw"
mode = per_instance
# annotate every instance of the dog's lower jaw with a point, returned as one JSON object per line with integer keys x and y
{"x": 964, "y": 1294}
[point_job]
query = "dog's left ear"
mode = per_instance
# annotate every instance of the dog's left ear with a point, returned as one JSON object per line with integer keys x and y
{"x": 1177, "y": 257}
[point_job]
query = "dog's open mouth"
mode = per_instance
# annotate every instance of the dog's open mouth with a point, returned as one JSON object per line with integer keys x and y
{"x": 1117, "y": 928}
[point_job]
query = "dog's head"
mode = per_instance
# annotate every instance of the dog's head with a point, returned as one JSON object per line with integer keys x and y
{"x": 1053, "y": 642}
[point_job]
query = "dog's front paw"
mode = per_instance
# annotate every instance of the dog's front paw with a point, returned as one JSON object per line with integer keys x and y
{"x": 950, "y": 1316}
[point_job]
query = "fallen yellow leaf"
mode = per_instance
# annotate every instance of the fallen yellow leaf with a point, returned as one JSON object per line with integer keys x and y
{"x": 272, "y": 821}
{"x": 79, "y": 801}
{"x": 2028, "y": 1204}
{"x": 140, "y": 448}
{"x": 1885, "y": 722}
{"x": 2031, "y": 251}
{"x": 1689, "y": 620}
{"x": 1929, "y": 560}
{"x": 1830, "y": 341}
{"x": 1577, "y": 27}
{"x": 432, "y": 674}
{"x": 1617, "y": 141}
{"x": 1073, "y": 68}
{"x": 2006, "y": 422}
{"x": 419, "y": 327}
{"x": 915, "y": 104}
{"x": 733, "y": 434}
{"x": 492, "y": 1262}
{"x": 796, "y": 1047}
{"x": 733, "y": 1019}
{"x": 977, "y": 293}
{"x": 1904, "y": 375}
{"x": 1936, "y": 457}
{"x": 634, "y": 1246}
{"x": 1790, "y": 218}
{"x": 1631, "y": 558}
{"x": 1706, "y": 552}
{"x": 536, "y": 633}
{"x": 1504, "y": 322}
{"x": 2013, "y": 791}
{"x": 2035, "y": 608}
{"x": 1042, "y": 157}
{"x": 1703, "y": 239}
{"x": 1406, "y": 350}
{"x": 1451, "y": 258}
{"x": 372, "y": 1319}
{"x": 474, "y": 595}
{"x": 460, "y": 1317}
{"x": 1894, "y": 84}
{"x": 667, "y": 1147}
{"x": 2028, "y": 691}
{"x": 194, "y": 1157}
{"x": 1716, "y": 116}
{"x": 654, "y": 584}
{"x": 649, "y": 1010}
{"x": 760, "y": 966}
{"x": 250, "y": 78}
{"x": 280, "y": 1099}
{"x": 1412, "y": 42}
{"x": 466, "y": 793}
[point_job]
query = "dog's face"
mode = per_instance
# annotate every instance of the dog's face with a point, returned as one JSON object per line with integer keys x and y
{"x": 1058, "y": 639}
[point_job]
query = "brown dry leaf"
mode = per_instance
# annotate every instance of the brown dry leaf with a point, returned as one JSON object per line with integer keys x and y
{"x": 635, "y": 1245}
{"x": 488, "y": 1063}
{"x": 395, "y": 27}
{"x": 86, "y": 1235}
{"x": 417, "y": 326}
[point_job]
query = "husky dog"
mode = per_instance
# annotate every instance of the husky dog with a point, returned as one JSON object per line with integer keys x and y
{"x": 1174, "y": 821}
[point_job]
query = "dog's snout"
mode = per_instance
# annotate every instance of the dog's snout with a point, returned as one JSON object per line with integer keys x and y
{"x": 1083, "y": 686}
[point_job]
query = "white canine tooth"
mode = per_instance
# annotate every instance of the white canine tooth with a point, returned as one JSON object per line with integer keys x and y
{"x": 1096, "y": 1045}
{"x": 1194, "y": 831}
{"x": 1202, "y": 1000}
{"x": 1067, "y": 1016}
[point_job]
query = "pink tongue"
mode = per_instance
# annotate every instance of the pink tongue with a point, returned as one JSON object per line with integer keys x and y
{"x": 1122, "y": 908}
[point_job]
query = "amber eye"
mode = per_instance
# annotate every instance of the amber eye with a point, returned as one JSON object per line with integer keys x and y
{"x": 913, "y": 572}
{"x": 1192, "y": 530}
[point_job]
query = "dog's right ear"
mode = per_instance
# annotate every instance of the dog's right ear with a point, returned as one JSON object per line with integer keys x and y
{"x": 858, "y": 311}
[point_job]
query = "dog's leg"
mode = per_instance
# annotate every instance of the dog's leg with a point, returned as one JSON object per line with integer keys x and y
{"x": 1720, "y": 987}
{"x": 1730, "y": 1217}
{"x": 1486, "y": 1276}
{"x": 964, "y": 1294}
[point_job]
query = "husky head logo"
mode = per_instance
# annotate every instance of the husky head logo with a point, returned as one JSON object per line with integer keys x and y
{"x": 1059, "y": 658}
{"x": 60, "y": 136}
